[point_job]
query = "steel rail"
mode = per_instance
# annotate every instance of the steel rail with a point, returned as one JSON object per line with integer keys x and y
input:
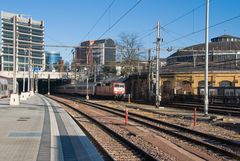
{"x": 119, "y": 138}
{"x": 170, "y": 132}
{"x": 212, "y": 109}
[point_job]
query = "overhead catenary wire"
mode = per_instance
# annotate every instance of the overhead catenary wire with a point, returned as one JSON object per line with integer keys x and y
{"x": 60, "y": 43}
{"x": 200, "y": 30}
{"x": 119, "y": 19}
{"x": 212, "y": 64}
{"x": 99, "y": 19}
{"x": 24, "y": 46}
{"x": 164, "y": 49}
{"x": 151, "y": 32}
{"x": 192, "y": 11}
{"x": 169, "y": 32}
{"x": 185, "y": 14}
{"x": 148, "y": 33}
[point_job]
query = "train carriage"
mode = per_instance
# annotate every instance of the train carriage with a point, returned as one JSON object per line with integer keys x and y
{"x": 82, "y": 89}
{"x": 110, "y": 89}
{"x": 222, "y": 94}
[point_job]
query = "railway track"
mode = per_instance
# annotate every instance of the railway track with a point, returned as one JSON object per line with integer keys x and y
{"x": 112, "y": 145}
{"x": 232, "y": 111}
{"x": 212, "y": 109}
{"x": 217, "y": 144}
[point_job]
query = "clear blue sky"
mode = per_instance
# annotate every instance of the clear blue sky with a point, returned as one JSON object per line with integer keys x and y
{"x": 67, "y": 22}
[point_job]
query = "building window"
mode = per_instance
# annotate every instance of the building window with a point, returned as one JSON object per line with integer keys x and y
{"x": 225, "y": 84}
{"x": 202, "y": 84}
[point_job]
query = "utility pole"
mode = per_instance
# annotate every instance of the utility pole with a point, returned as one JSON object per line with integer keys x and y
{"x": 23, "y": 95}
{"x": 48, "y": 84}
{"x": 121, "y": 55}
{"x": 158, "y": 93}
{"x": 121, "y": 60}
{"x": 14, "y": 55}
{"x": 87, "y": 97}
{"x": 149, "y": 74}
{"x": 25, "y": 53}
{"x": 86, "y": 72}
{"x": 14, "y": 98}
{"x": 95, "y": 71}
{"x": 67, "y": 71}
{"x": 36, "y": 82}
{"x": 32, "y": 80}
{"x": 29, "y": 70}
{"x": 206, "y": 61}
{"x": 75, "y": 67}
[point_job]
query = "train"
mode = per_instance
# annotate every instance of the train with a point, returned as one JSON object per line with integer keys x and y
{"x": 110, "y": 89}
{"x": 6, "y": 87}
{"x": 217, "y": 95}
{"x": 222, "y": 95}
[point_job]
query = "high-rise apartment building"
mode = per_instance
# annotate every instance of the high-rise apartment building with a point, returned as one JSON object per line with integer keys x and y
{"x": 29, "y": 39}
{"x": 99, "y": 52}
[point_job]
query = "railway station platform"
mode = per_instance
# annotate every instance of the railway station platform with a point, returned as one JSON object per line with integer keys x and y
{"x": 39, "y": 129}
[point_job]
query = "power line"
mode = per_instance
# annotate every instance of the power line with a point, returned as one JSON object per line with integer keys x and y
{"x": 177, "y": 66}
{"x": 185, "y": 14}
{"x": 192, "y": 33}
{"x": 119, "y": 19}
{"x": 192, "y": 11}
{"x": 169, "y": 32}
{"x": 60, "y": 43}
{"x": 219, "y": 64}
{"x": 148, "y": 34}
{"x": 23, "y": 46}
{"x": 103, "y": 14}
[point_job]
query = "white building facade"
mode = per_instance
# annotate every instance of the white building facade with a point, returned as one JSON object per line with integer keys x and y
{"x": 29, "y": 42}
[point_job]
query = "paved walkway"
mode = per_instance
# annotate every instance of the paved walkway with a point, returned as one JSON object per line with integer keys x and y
{"x": 39, "y": 129}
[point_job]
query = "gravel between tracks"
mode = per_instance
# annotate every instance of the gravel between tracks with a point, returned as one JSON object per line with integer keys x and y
{"x": 149, "y": 146}
{"x": 227, "y": 127}
{"x": 115, "y": 125}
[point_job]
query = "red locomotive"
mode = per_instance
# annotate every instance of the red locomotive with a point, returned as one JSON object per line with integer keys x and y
{"x": 112, "y": 89}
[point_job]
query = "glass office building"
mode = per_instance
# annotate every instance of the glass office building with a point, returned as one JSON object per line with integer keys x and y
{"x": 52, "y": 60}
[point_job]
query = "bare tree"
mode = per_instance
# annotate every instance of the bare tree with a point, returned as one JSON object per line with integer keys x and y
{"x": 129, "y": 45}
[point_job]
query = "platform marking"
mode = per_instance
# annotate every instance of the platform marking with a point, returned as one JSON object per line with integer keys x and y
{"x": 44, "y": 148}
{"x": 67, "y": 146}
{"x": 56, "y": 146}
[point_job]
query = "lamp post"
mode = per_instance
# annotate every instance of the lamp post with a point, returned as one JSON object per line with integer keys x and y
{"x": 158, "y": 92}
{"x": 14, "y": 98}
{"x": 206, "y": 61}
{"x": 8, "y": 61}
{"x": 24, "y": 70}
{"x": 29, "y": 70}
{"x": 87, "y": 97}
{"x": 23, "y": 94}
